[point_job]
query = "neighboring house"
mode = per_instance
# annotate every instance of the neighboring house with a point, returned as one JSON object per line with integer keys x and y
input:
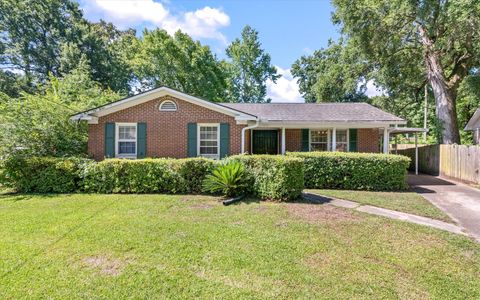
{"x": 166, "y": 123}
{"x": 474, "y": 125}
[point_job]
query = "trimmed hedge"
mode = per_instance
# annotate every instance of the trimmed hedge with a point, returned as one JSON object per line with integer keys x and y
{"x": 43, "y": 174}
{"x": 147, "y": 175}
{"x": 354, "y": 171}
{"x": 68, "y": 175}
{"x": 133, "y": 176}
{"x": 273, "y": 177}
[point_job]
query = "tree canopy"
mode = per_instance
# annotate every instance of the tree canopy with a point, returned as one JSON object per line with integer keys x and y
{"x": 43, "y": 38}
{"x": 333, "y": 74}
{"x": 249, "y": 69}
{"x": 178, "y": 62}
{"x": 413, "y": 43}
{"x": 38, "y": 124}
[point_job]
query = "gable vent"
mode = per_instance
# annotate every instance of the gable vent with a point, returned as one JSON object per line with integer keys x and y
{"x": 168, "y": 105}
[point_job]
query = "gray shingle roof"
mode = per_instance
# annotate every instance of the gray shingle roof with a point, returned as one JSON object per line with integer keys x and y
{"x": 315, "y": 112}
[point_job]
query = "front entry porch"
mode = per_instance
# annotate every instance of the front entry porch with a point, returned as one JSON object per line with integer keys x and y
{"x": 264, "y": 140}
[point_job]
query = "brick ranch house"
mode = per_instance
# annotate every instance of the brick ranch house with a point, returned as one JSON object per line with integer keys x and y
{"x": 167, "y": 123}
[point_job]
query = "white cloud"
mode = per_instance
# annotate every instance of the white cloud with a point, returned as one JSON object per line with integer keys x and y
{"x": 285, "y": 89}
{"x": 202, "y": 23}
{"x": 372, "y": 90}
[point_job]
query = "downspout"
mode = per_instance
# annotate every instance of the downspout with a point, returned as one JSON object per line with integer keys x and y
{"x": 257, "y": 122}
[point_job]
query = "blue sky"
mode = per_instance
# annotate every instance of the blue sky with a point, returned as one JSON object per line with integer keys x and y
{"x": 288, "y": 29}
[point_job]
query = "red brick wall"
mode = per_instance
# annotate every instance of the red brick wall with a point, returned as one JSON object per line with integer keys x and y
{"x": 368, "y": 140}
{"x": 166, "y": 130}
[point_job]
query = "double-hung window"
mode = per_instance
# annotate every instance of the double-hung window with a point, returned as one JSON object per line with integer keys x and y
{"x": 319, "y": 140}
{"x": 209, "y": 140}
{"x": 342, "y": 140}
{"x": 126, "y": 138}
{"x": 322, "y": 139}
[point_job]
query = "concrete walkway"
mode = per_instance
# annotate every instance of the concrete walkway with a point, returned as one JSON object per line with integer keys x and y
{"x": 392, "y": 214}
{"x": 460, "y": 201}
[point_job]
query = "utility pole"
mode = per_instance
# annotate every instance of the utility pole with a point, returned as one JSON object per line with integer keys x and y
{"x": 425, "y": 108}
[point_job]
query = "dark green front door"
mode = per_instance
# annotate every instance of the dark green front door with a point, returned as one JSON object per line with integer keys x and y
{"x": 265, "y": 142}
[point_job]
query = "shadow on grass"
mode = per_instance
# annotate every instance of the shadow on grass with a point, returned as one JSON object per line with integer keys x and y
{"x": 310, "y": 198}
{"x": 247, "y": 200}
{"x": 423, "y": 179}
{"x": 16, "y": 197}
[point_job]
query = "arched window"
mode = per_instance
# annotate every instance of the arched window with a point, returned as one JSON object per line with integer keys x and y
{"x": 168, "y": 105}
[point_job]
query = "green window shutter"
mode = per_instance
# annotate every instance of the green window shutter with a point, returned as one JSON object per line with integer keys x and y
{"x": 305, "y": 140}
{"x": 192, "y": 139}
{"x": 109, "y": 140}
{"x": 141, "y": 140}
{"x": 352, "y": 146}
{"x": 224, "y": 140}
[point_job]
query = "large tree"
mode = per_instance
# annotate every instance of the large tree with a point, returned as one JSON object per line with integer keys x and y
{"x": 38, "y": 124}
{"x": 107, "y": 51}
{"x": 334, "y": 74}
{"x": 32, "y": 33}
{"x": 434, "y": 42}
{"x": 48, "y": 37}
{"x": 249, "y": 69}
{"x": 178, "y": 62}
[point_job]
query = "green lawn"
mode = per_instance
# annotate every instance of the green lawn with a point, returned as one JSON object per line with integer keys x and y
{"x": 144, "y": 246}
{"x": 409, "y": 202}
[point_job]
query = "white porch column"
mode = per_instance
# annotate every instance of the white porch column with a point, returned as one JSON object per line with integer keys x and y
{"x": 416, "y": 153}
{"x": 334, "y": 139}
{"x": 243, "y": 140}
{"x": 386, "y": 140}
{"x": 283, "y": 140}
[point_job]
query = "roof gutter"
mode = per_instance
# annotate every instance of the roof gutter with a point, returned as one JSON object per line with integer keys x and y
{"x": 244, "y": 129}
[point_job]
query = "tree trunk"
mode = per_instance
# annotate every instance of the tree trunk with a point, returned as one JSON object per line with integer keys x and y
{"x": 444, "y": 100}
{"x": 445, "y": 96}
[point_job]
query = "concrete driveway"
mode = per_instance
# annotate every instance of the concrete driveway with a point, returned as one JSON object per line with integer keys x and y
{"x": 461, "y": 202}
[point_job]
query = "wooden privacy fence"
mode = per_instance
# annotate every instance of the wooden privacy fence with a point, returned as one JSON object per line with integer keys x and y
{"x": 457, "y": 161}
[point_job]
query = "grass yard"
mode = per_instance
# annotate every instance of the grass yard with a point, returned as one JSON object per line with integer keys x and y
{"x": 409, "y": 202}
{"x": 142, "y": 246}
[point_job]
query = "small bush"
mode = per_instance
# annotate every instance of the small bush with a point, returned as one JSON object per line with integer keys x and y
{"x": 43, "y": 174}
{"x": 193, "y": 171}
{"x": 228, "y": 179}
{"x": 273, "y": 177}
{"x": 354, "y": 171}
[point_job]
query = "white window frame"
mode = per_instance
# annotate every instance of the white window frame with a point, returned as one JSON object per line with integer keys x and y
{"x": 118, "y": 140}
{"x": 348, "y": 139}
{"x": 329, "y": 138}
{"x": 167, "y": 101}
{"x": 310, "y": 138}
{"x": 214, "y": 156}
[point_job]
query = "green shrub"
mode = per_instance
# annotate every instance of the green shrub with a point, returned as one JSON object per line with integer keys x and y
{"x": 354, "y": 171}
{"x": 273, "y": 177}
{"x": 43, "y": 174}
{"x": 134, "y": 176}
{"x": 228, "y": 179}
{"x": 193, "y": 171}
